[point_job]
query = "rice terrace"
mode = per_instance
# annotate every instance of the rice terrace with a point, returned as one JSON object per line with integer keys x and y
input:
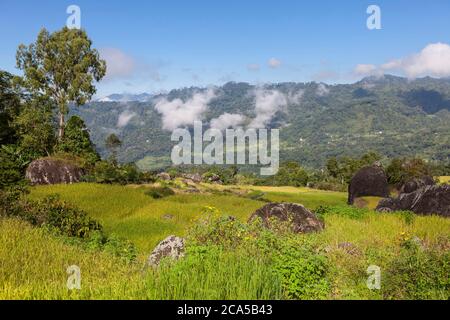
{"x": 238, "y": 167}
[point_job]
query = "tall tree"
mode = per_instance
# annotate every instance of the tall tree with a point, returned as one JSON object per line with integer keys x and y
{"x": 112, "y": 143}
{"x": 63, "y": 66}
{"x": 9, "y": 108}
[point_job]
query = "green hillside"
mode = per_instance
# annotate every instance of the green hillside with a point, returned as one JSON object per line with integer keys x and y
{"x": 390, "y": 115}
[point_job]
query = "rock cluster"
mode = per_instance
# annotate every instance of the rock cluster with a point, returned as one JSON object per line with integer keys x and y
{"x": 427, "y": 200}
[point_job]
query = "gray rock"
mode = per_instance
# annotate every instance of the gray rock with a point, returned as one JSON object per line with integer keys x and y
{"x": 427, "y": 200}
{"x": 302, "y": 220}
{"x": 172, "y": 247}
{"x": 417, "y": 183}
{"x": 195, "y": 177}
{"x": 368, "y": 181}
{"x": 53, "y": 171}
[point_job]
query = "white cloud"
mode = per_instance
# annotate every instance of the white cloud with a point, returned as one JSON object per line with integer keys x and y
{"x": 118, "y": 63}
{"x": 227, "y": 120}
{"x": 267, "y": 104}
{"x": 124, "y": 118}
{"x": 322, "y": 90}
{"x": 295, "y": 98}
{"x": 433, "y": 60}
{"x": 177, "y": 113}
{"x": 365, "y": 69}
{"x": 274, "y": 63}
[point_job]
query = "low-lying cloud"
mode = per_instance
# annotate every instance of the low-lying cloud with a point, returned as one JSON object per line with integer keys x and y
{"x": 178, "y": 113}
{"x": 124, "y": 118}
{"x": 227, "y": 120}
{"x": 433, "y": 60}
{"x": 267, "y": 104}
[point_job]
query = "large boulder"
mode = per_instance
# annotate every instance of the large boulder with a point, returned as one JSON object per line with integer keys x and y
{"x": 427, "y": 200}
{"x": 302, "y": 220}
{"x": 53, "y": 171}
{"x": 416, "y": 183}
{"x": 194, "y": 177}
{"x": 368, "y": 181}
{"x": 172, "y": 247}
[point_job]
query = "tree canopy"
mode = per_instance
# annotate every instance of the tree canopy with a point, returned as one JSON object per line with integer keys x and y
{"x": 63, "y": 66}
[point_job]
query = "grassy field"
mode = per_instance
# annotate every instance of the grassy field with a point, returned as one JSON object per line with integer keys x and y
{"x": 444, "y": 179}
{"x": 126, "y": 211}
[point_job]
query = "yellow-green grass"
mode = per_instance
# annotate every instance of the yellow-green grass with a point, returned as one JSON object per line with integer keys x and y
{"x": 377, "y": 238}
{"x": 370, "y": 202}
{"x": 33, "y": 265}
{"x": 444, "y": 179}
{"x": 131, "y": 214}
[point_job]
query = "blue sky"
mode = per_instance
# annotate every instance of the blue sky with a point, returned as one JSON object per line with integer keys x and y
{"x": 160, "y": 45}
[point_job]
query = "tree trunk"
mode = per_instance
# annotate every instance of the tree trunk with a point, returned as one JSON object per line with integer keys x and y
{"x": 61, "y": 126}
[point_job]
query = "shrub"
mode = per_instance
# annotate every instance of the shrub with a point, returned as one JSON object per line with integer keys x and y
{"x": 418, "y": 274}
{"x": 303, "y": 271}
{"x": 57, "y": 213}
{"x": 109, "y": 172}
{"x": 159, "y": 192}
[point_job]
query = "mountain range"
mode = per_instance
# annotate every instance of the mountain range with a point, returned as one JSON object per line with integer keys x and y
{"x": 391, "y": 115}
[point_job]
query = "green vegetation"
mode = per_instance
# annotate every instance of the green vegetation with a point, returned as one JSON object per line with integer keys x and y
{"x": 45, "y": 64}
{"x": 393, "y": 118}
{"x": 227, "y": 258}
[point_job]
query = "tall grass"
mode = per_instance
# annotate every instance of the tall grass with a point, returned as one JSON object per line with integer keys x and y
{"x": 33, "y": 264}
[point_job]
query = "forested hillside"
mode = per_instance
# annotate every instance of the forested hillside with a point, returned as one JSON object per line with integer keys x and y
{"x": 390, "y": 115}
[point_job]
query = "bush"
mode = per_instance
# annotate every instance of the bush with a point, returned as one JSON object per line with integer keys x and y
{"x": 109, "y": 172}
{"x": 400, "y": 171}
{"x": 418, "y": 274}
{"x": 12, "y": 167}
{"x": 302, "y": 272}
{"x": 67, "y": 219}
{"x": 159, "y": 192}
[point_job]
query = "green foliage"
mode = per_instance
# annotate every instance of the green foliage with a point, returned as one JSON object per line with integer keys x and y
{"x": 35, "y": 128}
{"x": 77, "y": 141}
{"x": 9, "y": 108}
{"x": 401, "y": 170}
{"x": 110, "y": 172}
{"x": 112, "y": 143}
{"x": 289, "y": 174}
{"x": 344, "y": 168}
{"x": 12, "y": 166}
{"x": 344, "y": 211}
{"x": 69, "y": 220}
{"x": 159, "y": 192}
{"x": 63, "y": 66}
{"x": 304, "y": 272}
{"x": 301, "y": 270}
{"x": 418, "y": 274}
{"x": 225, "y": 173}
